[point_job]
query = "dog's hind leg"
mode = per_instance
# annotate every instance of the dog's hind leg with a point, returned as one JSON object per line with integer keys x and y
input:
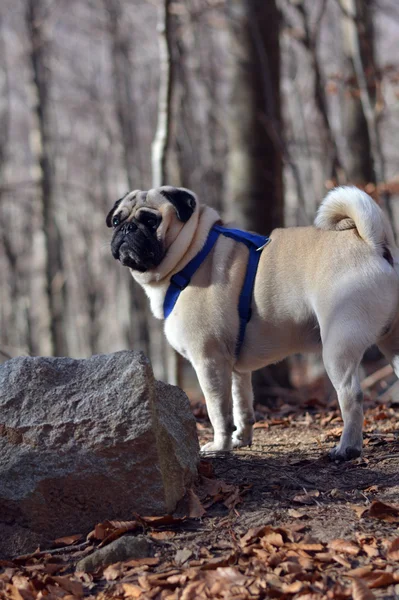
{"x": 215, "y": 378}
{"x": 243, "y": 409}
{"x": 343, "y": 348}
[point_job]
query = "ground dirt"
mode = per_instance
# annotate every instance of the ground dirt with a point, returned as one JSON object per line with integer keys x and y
{"x": 276, "y": 520}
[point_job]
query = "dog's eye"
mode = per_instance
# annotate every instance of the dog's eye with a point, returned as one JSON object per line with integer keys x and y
{"x": 116, "y": 220}
{"x": 149, "y": 220}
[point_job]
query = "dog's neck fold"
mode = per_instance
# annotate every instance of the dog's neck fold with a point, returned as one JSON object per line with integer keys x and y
{"x": 187, "y": 244}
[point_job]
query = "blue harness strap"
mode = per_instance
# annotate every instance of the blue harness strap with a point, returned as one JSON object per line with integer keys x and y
{"x": 179, "y": 281}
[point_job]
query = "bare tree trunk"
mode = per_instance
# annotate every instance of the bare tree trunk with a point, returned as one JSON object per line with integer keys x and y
{"x": 124, "y": 104}
{"x": 122, "y": 76}
{"x": 366, "y": 161}
{"x": 41, "y": 75}
{"x": 359, "y": 161}
{"x": 254, "y": 194}
{"x": 171, "y": 363}
{"x": 160, "y": 144}
{"x": 254, "y": 164}
{"x": 310, "y": 41}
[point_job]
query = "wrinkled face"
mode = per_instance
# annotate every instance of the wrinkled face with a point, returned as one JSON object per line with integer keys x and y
{"x": 146, "y": 223}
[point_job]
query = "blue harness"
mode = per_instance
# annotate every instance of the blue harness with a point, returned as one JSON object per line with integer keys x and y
{"x": 179, "y": 281}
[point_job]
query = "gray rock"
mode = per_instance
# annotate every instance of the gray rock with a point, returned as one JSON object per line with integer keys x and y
{"x": 124, "y": 548}
{"x": 82, "y": 441}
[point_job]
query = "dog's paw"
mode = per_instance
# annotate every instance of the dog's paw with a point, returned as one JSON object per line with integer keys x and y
{"x": 212, "y": 447}
{"x": 239, "y": 441}
{"x": 343, "y": 454}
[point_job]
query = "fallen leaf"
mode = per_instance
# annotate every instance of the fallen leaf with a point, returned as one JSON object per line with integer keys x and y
{"x": 140, "y": 562}
{"x": 385, "y": 512}
{"x": 371, "y": 551}
{"x": 162, "y": 520}
{"x": 219, "y": 561}
{"x": 253, "y": 534}
{"x": 359, "y": 510}
{"x": 69, "y": 585}
{"x": 306, "y": 498}
{"x": 162, "y": 535}
{"x": 6, "y": 563}
{"x": 377, "y": 579}
{"x": 132, "y": 591}
{"x": 195, "y": 508}
{"x": 341, "y": 560}
{"x": 112, "y": 530}
{"x": 233, "y": 499}
{"x": 393, "y": 550}
{"x": 360, "y": 591}
{"x": 261, "y": 425}
{"x": 294, "y": 587}
{"x": 24, "y": 586}
{"x": 183, "y": 555}
{"x": 273, "y": 538}
{"x": 68, "y": 540}
{"x": 372, "y": 489}
{"x": 296, "y": 514}
{"x": 113, "y": 572}
{"x": 344, "y": 546}
{"x": 12, "y": 592}
{"x": 323, "y": 557}
{"x": 193, "y": 590}
{"x": 309, "y": 546}
{"x": 360, "y": 572}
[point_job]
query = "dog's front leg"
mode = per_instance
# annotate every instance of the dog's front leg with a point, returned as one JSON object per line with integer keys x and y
{"x": 214, "y": 376}
{"x": 243, "y": 409}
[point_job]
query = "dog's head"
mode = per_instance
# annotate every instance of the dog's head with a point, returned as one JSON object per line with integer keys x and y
{"x": 146, "y": 223}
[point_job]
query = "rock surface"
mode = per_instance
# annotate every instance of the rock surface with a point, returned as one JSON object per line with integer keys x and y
{"x": 124, "y": 548}
{"x": 82, "y": 441}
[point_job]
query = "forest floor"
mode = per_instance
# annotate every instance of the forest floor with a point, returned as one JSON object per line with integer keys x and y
{"x": 277, "y": 520}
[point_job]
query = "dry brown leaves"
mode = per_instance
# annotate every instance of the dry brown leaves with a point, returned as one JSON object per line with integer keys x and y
{"x": 269, "y": 562}
{"x": 378, "y": 510}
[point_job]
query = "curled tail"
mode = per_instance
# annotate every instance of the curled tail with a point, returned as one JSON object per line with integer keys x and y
{"x": 350, "y": 208}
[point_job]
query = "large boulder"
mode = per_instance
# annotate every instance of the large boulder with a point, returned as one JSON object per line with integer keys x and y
{"x": 86, "y": 440}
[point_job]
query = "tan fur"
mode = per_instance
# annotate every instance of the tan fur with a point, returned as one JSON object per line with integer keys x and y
{"x": 316, "y": 288}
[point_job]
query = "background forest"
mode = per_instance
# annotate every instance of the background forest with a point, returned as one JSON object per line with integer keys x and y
{"x": 258, "y": 106}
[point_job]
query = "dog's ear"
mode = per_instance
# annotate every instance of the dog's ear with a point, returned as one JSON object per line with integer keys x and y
{"x": 108, "y": 220}
{"x": 183, "y": 201}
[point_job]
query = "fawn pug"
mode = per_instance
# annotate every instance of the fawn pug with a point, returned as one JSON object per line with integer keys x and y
{"x": 332, "y": 287}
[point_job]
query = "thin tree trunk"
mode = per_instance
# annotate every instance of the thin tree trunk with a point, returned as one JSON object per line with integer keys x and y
{"x": 310, "y": 41}
{"x": 124, "y": 105}
{"x": 359, "y": 160}
{"x": 41, "y": 80}
{"x": 254, "y": 164}
{"x": 123, "y": 85}
{"x": 160, "y": 144}
{"x": 171, "y": 364}
{"x": 254, "y": 191}
{"x": 369, "y": 164}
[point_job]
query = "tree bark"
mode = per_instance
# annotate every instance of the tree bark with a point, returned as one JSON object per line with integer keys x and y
{"x": 254, "y": 190}
{"x": 254, "y": 196}
{"x": 122, "y": 75}
{"x": 160, "y": 144}
{"x": 39, "y": 54}
{"x": 168, "y": 358}
{"x": 122, "y": 69}
{"x": 359, "y": 164}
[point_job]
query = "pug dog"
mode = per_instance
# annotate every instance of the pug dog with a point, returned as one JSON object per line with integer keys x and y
{"x": 332, "y": 287}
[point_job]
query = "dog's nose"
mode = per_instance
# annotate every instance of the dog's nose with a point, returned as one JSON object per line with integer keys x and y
{"x": 128, "y": 227}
